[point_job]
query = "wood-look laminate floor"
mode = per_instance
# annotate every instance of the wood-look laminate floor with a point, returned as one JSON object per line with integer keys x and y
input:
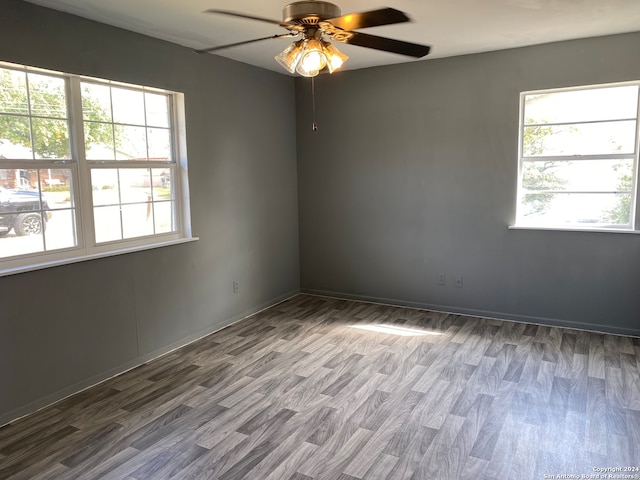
{"x": 325, "y": 389}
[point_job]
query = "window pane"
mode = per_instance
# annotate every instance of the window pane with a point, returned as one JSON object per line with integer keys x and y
{"x": 579, "y": 175}
{"x": 15, "y": 138}
{"x": 582, "y": 105}
{"x": 61, "y": 230}
{"x": 57, "y": 188}
{"x": 135, "y": 191}
{"x": 51, "y": 138}
{"x": 16, "y": 192}
{"x": 157, "y": 107}
{"x": 21, "y": 187}
{"x": 13, "y": 92}
{"x": 12, "y": 244}
{"x": 131, "y": 143}
{"x": 96, "y": 102}
{"x": 105, "y": 186}
{"x": 580, "y": 139}
{"x": 159, "y": 144}
{"x": 135, "y": 185}
{"x": 137, "y": 220}
{"x": 28, "y": 213}
{"x": 577, "y": 209}
{"x": 98, "y": 141}
{"x": 128, "y": 106}
{"x": 47, "y": 96}
{"x": 163, "y": 215}
{"x": 107, "y": 224}
{"x": 162, "y": 184}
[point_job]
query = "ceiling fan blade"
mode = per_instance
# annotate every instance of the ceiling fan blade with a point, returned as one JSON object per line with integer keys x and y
{"x": 374, "y": 18}
{"x": 250, "y": 17}
{"x": 213, "y": 49}
{"x": 388, "y": 45}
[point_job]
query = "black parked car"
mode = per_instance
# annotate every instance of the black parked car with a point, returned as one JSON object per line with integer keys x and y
{"x": 20, "y": 211}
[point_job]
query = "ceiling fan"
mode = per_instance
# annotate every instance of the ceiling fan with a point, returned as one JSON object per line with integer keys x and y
{"x": 315, "y": 22}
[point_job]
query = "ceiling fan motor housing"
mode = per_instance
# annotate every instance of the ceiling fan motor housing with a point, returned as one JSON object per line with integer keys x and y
{"x": 309, "y": 13}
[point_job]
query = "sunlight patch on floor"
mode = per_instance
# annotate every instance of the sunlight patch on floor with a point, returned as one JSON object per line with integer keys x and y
{"x": 395, "y": 330}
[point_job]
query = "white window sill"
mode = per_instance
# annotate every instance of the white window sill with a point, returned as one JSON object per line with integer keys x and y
{"x": 93, "y": 256}
{"x": 572, "y": 229}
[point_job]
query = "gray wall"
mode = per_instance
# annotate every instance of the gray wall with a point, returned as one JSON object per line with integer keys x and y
{"x": 66, "y": 327}
{"x": 412, "y": 173}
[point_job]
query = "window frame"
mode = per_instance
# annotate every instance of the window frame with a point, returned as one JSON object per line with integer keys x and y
{"x": 634, "y": 223}
{"x": 86, "y": 247}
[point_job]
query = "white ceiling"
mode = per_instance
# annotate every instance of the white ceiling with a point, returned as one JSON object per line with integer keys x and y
{"x": 451, "y": 27}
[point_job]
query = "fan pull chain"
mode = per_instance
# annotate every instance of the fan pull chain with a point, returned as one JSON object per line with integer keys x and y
{"x": 314, "y": 125}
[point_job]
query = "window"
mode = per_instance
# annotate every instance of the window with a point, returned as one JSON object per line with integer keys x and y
{"x": 87, "y": 167}
{"x": 579, "y": 158}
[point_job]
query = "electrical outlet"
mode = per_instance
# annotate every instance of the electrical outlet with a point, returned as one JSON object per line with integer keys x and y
{"x": 441, "y": 279}
{"x": 459, "y": 281}
{"x": 236, "y": 286}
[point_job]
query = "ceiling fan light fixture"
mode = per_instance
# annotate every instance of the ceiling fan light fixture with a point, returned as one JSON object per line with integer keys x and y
{"x": 309, "y": 56}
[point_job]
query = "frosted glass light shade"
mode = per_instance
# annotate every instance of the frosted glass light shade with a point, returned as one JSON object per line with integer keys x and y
{"x": 290, "y": 56}
{"x": 312, "y": 60}
{"x": 335, "y": 57}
